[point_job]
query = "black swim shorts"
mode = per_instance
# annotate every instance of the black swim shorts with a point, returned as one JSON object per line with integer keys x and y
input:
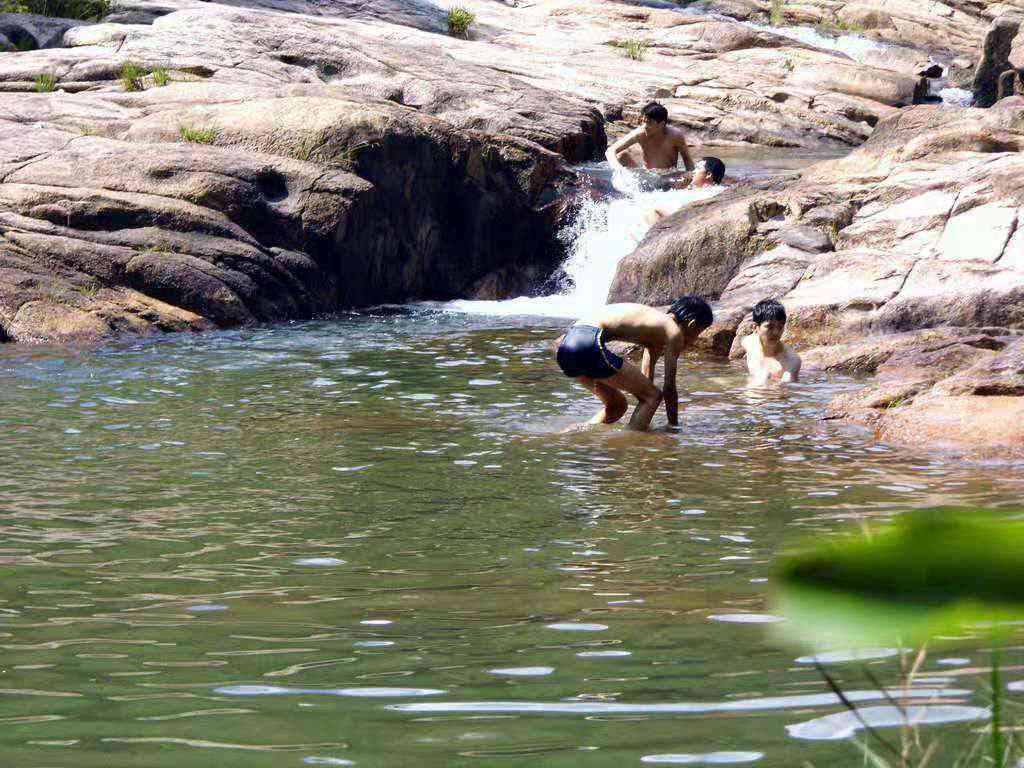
{"x": 583, "y": 353}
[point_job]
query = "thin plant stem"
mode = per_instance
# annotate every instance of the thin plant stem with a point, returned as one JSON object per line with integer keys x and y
{"x": 834, "y": 686}
{"x": 998, "y": 753}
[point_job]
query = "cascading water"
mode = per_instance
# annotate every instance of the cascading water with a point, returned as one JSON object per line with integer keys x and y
{"x": 603, "y": 233}
{"x": 865, "y": 51}
{"x": 857, "y": 47}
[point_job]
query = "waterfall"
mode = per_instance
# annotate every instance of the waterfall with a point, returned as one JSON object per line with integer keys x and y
{"x": 602, "y": 234}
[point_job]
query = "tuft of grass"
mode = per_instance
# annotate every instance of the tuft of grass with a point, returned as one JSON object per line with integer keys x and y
{"x": 131, "y": 77}
{"x": 160, "y": 77}
{"x": 46, "y": 83}
{"x": 25, "y": 44}
{"x": 89, "y": 289}
{"x": 777, "y": 15}
{"x": 634, "y": 49}
{"x": 194, "y": 135}
{"x": 459, "y": 22}
{"x": 83, "y": 10}
{"x": 898, "y": 402}
{"x": 313, "y": 151}
{"x": 837, "y": 28}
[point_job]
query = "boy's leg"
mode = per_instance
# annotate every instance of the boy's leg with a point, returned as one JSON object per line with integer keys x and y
{"x": 631, "y": 379}
{"x": 615, "y": 404}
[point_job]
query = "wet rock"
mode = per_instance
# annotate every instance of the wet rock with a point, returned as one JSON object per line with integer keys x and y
{"x": 980, "y": 427}
{"x": 945, "y": 388}
{"x": 999, "y": 374}
{"x": 806, "y": 238}
{"x": 27, "y": 32}
{"x": 996, "y": 58}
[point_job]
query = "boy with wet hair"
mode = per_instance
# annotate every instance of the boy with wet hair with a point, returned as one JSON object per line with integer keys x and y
{"x": 661, "y": 144}
{"x": 709, "y": 173}
{"x": 582, "y": 355}
{"x": 768, "y": 358}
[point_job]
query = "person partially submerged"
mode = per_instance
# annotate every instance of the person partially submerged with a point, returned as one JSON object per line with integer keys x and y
{"x": 661, "y": 145}
{"x": 709, "y": 173}
{"x": 768, "y": 358}
{"x": 582, "y": 354}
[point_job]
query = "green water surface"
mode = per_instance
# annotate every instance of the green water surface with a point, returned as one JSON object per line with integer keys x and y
{"x": 364, "y": 540}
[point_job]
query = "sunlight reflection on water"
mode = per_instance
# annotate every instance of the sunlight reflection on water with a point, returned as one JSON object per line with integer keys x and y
{"x": 266, "y": 511}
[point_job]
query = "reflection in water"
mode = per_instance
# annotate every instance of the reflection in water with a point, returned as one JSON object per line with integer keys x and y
{"x": 843, "y": 725}
{"x": 740, "y": 705}
{"x": 380, "y": 508}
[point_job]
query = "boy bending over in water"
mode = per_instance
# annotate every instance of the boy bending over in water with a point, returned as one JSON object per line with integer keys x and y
{"x": 768, "y": 359}
{"x": 582, "y": 355}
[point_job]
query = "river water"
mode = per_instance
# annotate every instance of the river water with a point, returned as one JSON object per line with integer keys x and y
{"x": 376, "y": 540}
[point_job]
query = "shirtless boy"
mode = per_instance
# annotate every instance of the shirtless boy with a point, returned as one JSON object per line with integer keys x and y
{"x": 661, "y": 144}
{"x": 768, "y": 359}
{"x": 582, "y": 355}
{"x": 710, "y": 172}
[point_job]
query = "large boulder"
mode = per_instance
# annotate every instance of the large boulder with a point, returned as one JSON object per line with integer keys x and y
{"x": 283, "y": 171}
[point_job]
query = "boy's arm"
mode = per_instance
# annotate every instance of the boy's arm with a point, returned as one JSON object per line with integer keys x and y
{"x": 751, "y": 362}
{"x": 755, "y": 366}
{"x": 685, "y": 152}
{"x": 612, "y": 154}
{"x": 792, "y": 372}
{"x": 671, "y": 394}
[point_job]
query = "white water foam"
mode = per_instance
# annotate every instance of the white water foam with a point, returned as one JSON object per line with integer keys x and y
{"x": 603, "y": 234}
{"x": 956, "y": 97}
{"x": 856, "y": 47}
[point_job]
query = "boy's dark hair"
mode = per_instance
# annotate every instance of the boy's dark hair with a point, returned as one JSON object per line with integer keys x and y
{"x": 769, "y": 309}
{"x": 716, "y": 168}
{"x": 655, "y": 112}
{"x": 694, "y": 308}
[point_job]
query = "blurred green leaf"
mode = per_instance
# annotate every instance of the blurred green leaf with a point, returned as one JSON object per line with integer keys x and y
{"x": 930, "y": 573}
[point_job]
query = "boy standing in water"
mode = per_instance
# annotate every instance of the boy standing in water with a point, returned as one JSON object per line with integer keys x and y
{"x": 582, "y": 355}
{"x": 661, "y": 144}
{"x": 768, "y": 359}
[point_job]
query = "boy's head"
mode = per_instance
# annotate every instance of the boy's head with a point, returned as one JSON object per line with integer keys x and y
{"x": 693, "y": 315}
{"x": 770, "y": 318}
{"x": 655, "y": 117}
{"x": 711, "y": 171}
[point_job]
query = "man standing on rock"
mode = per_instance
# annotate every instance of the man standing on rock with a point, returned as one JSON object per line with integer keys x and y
{"x": 582, "y": 355}
{"x": 661, "y": 144}
{"x": 768, "y": 359}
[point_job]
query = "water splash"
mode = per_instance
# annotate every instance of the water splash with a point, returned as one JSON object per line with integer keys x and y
{"x": 603, "y": 233}
{"x": 956, "y": 97}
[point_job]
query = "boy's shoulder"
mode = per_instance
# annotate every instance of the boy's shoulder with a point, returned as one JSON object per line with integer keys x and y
{"x": 675, "y": 132}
